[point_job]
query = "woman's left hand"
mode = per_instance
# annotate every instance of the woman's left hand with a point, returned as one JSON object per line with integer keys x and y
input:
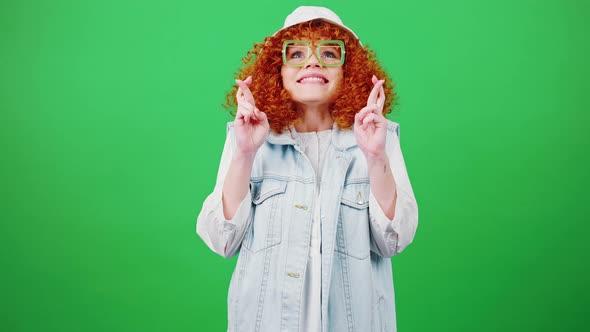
{"x": 370, "y": 126}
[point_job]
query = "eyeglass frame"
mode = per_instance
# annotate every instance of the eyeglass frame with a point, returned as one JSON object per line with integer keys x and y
{"x": 317, "y": 50}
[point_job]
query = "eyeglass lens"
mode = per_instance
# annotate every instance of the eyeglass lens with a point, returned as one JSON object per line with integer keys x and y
{"x": 298, "y": 54}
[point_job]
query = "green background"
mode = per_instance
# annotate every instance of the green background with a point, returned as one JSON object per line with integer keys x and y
{"x": 111, "y": 130}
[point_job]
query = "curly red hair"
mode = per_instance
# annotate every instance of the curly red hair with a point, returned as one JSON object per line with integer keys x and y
{"x": 263, "y": 62}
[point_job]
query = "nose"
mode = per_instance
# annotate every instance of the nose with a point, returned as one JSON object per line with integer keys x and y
{"x": 313, "y": 62}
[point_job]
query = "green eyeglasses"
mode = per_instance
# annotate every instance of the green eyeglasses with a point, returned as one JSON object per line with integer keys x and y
{"x": 330, "y": 53}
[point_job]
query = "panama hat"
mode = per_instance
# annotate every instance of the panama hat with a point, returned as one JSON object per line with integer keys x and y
{"x": 307, "y": 13}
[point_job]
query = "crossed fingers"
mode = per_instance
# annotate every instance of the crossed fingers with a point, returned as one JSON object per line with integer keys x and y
{"x": 247, "y": 111}
{"x": 373, "y": 112}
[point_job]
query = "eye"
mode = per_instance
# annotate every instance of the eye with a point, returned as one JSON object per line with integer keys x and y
{"x": 329, "y": 54}
{"x": 296, "y": 55}
{"x": 296, "y": 52}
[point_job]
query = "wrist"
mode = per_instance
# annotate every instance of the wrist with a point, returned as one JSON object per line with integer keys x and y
{"x": 376, "y": 157}
{"x": 244, "y": 156}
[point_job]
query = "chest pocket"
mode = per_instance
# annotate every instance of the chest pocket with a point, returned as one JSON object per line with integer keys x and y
{"x": 267, "y": 205}
{"x": 353, "y": 234}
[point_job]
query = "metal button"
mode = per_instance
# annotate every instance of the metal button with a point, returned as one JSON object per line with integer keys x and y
{"x": 300, "y": 206}
{"x": 359, "y": 198}
{"x": 293, "y": 274}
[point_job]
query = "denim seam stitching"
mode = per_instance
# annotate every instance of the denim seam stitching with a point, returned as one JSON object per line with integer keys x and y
{"x": 265, "y": 273}
{"x": 345, "y": 277}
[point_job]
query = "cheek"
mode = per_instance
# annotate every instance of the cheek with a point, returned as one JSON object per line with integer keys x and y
{"x": 285, "y": 79}
{"x": 338, "y": 78}
{"x": 337, "y": 73}
{"x": 287, "y": 73}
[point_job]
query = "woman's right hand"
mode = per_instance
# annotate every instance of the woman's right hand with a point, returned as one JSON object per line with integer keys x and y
{"x": 251, "y": 125}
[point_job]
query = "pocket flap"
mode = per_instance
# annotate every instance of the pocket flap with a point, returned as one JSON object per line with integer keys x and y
{"x": 266, "y": 188}
{"x": 356, "y": 195}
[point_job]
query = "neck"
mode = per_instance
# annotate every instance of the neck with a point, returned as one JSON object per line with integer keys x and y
{"x": 314, "y": 118}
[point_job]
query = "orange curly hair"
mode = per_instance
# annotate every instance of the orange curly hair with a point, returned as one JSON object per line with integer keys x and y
{"x": 263, "y": 62}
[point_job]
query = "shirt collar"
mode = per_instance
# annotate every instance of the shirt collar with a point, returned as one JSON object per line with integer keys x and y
{"x": 342, "y": 139}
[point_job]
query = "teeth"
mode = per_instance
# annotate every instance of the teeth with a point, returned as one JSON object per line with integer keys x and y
{"x": 312, "y": 79}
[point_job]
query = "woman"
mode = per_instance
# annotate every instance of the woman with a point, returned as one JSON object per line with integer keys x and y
{"x": 312, "y": 189}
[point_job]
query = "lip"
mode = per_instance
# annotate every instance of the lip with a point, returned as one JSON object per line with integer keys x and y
{"x": 311, "y": 75}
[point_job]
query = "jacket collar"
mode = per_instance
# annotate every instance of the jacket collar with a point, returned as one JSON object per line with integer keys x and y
{"x": 342, "y": 139}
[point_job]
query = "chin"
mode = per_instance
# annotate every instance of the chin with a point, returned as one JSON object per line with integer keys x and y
{"x": 314, "y": 98}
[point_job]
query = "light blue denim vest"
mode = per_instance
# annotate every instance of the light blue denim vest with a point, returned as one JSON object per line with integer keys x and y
{"x": 357, "y": 285}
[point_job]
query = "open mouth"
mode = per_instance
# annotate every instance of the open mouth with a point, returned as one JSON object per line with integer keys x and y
{"x": 313, "y": 79}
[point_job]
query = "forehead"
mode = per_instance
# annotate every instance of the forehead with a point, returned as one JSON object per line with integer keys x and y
{"x": 312, "y": 42}
{"x": 311, "y": 35}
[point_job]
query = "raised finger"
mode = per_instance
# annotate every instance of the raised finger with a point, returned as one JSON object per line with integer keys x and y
{"x": 381, "y": 97}
{"x": 248, "y": 116}
{"x": 246, "y": 90}
{"x": 373, "y": 96}
{"x": 239, "y": 96}
{"x": 374, "y": 79}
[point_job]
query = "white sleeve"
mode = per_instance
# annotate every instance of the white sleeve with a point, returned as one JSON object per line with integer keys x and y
{"x": 392, "y": 236}
{"x": 221, "y": 235}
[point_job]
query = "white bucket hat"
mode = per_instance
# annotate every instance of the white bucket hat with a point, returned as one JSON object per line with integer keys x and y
{"x": 307, "y": 13}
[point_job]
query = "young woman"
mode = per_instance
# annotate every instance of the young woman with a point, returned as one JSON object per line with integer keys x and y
{"x": 312, "y": 189}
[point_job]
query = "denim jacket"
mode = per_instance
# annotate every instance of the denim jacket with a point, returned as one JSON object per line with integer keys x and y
{"x": 271, "y": 232}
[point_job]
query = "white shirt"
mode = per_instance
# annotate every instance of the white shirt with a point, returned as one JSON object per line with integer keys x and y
{"x": 314, "y": 145}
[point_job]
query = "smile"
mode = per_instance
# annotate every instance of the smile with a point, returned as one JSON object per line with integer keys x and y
{"x": 313, "y": 79}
